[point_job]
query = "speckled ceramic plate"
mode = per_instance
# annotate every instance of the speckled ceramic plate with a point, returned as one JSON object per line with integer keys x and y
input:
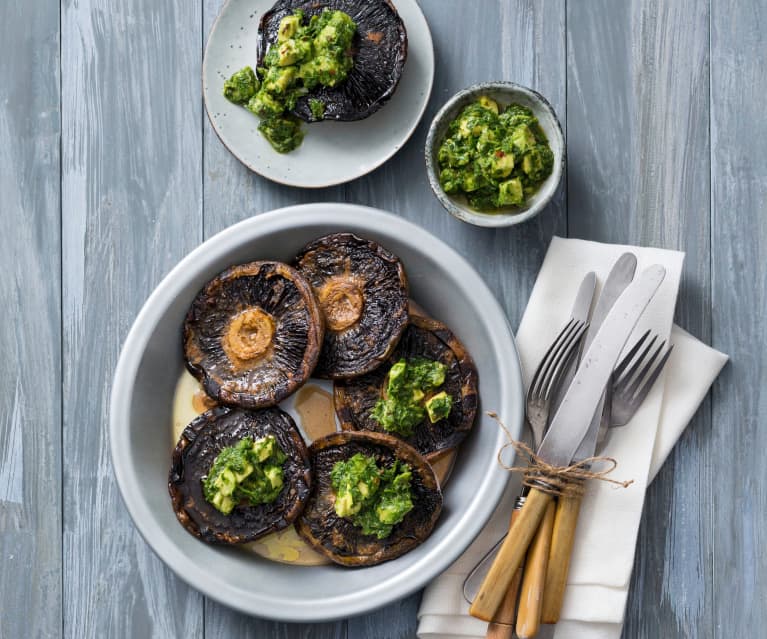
{"x": 332, "y": 152}
{"x": 444, "y": 284}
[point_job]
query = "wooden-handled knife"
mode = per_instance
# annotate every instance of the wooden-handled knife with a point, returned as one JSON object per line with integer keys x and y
{"x": 566, "y": 432}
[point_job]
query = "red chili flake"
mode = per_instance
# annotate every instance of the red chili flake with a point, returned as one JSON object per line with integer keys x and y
{"x": 499, "y": 154}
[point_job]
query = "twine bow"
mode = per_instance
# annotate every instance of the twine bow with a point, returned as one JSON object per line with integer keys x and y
{"x": 555, "y": 480}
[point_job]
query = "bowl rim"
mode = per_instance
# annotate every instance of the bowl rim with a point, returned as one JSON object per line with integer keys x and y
{"x": 413, "y": 576}
{"x": 494, "y": 220}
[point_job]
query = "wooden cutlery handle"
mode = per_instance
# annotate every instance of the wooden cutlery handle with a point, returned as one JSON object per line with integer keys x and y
{"x": 510, "y": 556}
{"x": 565, "y": 521}
{"x": 503, "y": 625}
{"x": 531, "y": 597}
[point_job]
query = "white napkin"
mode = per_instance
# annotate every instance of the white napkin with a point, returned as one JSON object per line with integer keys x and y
{"x": 597, "y": 589}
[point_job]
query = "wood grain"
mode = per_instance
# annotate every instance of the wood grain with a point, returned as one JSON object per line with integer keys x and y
{"x": 638, "y": 146}
{"x": 737, "y": 563}
{"x": 30, "y": 335}
{"x": 662, "y": 102}
{"x": 131, "y": 209}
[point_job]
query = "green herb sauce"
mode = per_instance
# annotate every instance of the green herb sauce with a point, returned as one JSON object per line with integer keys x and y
{"x": 495, "y": 158}
{"x": 249, "y": 472}
{"x": 372, "y": 498}
{"x": 306, "y": 55}
{"x": 407, "y": 400}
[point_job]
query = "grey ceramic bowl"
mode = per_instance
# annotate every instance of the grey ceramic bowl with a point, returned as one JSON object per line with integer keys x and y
{"x": 504, "y": 93}
{"x": 151, "y": 362}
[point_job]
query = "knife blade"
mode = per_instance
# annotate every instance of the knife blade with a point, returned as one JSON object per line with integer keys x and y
{"x": 567, "y": 430}
{"x": 620, "y": 276}
{"x": 568, "y": 507}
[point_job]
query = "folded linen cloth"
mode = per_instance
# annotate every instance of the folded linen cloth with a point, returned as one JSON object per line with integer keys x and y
{"x": 597, "y": 589}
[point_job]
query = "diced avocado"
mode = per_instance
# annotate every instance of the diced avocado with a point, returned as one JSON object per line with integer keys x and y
{"x": 470, "y": 183}
{"x": 438, "y": 407}
{"x": 274, "y": 475}
{"x": 264, "y": 448}
{"x": 363, "y": 488}
{"x": 344, "y": 505}
{"x": 327, "y": 35}
{"x": 241, "y": 86}
{"x": 418, "y": 394}
{"x": 389, "y": 513}
{"x": 264, "y": 105}
{"x": 522, "y": 138}
{"x": 288, "y": 27}
{"x": 244, "y": 473}
{"x": 397, "y": 375}
{"x": 226, "y": 482}
{"x": 532, "y": 163}
{"x": 503, "y": 164}
{"x": 510, "y": 193}
{"x": 489, "y": 104}
{"x": 223, "y": 503}
{"x": 289, "y": 53}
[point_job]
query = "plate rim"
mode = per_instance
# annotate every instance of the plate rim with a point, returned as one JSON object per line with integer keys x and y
{"x": 394, "y": 150}
{"x": 261, "y": 604}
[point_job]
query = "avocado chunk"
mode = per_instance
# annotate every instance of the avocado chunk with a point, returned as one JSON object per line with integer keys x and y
{"x": 522, "y": 138}
{"x": 489, "y": 104}
{"x": 438, "y": 407}
{"x": 289, "y": 27}
{"x": 242, "y": 86}
{"x": 510, "y": 193}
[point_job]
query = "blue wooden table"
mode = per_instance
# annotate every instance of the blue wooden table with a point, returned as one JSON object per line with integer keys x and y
{"x": 110, "y": 173}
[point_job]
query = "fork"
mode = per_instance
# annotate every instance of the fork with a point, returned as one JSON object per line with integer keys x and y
{"x": 632, "y": 380}
{"x": 540, "y": 394}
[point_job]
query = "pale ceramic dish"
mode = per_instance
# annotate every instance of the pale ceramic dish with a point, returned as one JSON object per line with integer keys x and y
{"x": 332, "y": 152}
{"x": 151, "y": 362}
{"x": 504, "y": 93}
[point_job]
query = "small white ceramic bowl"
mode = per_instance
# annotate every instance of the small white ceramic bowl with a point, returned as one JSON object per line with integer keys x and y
{"x": 504, "y": 93}
{"x": 150, "y": 364}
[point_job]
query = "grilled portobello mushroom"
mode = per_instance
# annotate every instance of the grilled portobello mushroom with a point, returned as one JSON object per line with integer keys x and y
{"x": 355, "y": 399}
{"x": 194, "y": 455}
{"x": 337, "y": 537}
{"x": 252, "y": 335}
{"x": 379, "y": 51}
{"x": 362, "y": 291}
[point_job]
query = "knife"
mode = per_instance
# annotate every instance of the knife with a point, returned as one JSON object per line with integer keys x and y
{"x": 567, "y": 429}
{"x": 568, "y": 506}
{"x": 501, "y": 627}
{"x": 619, "y": 277}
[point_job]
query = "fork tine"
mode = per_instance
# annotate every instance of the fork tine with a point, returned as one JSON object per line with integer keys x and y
{"x": 638, "y": 391}
{"x": 629, "y": 356}
{"x": 551, "y": 365}
{"x": 564, "y": 357}
{"x": 546, "y": 361}
{"x": 631, "y": 374}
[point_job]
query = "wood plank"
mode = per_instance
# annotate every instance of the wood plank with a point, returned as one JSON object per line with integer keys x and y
{"x": 30, "y": 380}
{"x": 532, "y": 52}
{"x": 638, "y": 148}
{"x": 131, "y": 207}
{"x": 739, "y": 240}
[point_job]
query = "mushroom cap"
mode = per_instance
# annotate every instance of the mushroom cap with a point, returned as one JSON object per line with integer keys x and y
{"x": 362, "y": 292}
{"x": 252, "y": 336}
{"x": 379, "y": 49}
{"x": 342, "y": 541}
{"x": 201, "y": 442}
{"x": 354, "y": 399}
